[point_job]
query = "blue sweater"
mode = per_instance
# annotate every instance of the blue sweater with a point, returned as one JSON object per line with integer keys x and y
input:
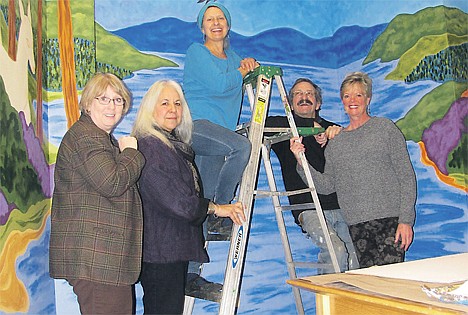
{"x": 213, "y": 86}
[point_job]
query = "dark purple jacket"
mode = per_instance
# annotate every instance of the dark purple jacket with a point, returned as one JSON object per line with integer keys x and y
{"x": 172, "y": 210}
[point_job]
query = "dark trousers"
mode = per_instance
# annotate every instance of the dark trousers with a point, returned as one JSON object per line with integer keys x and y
{"x": 163, "y": 287}
{"x": 374, "y": 242}
{"x": 97, "y": 298}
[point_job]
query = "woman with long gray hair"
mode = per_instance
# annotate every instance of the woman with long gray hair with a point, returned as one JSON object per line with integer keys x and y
{"x": 173, "y": 204}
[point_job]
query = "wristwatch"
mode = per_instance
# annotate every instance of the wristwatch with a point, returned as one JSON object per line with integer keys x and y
{"x": 211, "y": 208}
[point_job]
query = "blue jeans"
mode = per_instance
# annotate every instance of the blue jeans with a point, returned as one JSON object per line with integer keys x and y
{"x": 340, "y": 237}
{"x": 221, "y": 156}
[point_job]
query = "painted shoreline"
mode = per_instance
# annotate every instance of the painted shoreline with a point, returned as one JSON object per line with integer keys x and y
{"x": 14, "y": 296}
{"x": 449, "y": 180}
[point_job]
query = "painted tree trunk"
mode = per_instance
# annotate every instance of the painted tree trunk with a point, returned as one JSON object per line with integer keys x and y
{"x": 12, "y": 30}
{"x": 39, "y": 130}
{"x": 67, "y": 61}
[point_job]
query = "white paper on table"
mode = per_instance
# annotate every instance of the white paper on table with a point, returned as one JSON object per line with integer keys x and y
{"x": 462, "y": 290}
{"x": 444, "y": 269}
{"x": 452, "y": 293}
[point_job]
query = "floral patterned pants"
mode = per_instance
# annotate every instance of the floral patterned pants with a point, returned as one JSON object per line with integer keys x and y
{"x": 374, "y": 242}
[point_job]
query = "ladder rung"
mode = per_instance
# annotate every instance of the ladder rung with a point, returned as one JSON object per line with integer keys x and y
{"x": 267, "y": 193}
{"x": 300, "y": 191}
{"x": 302, "y": 206}
{"x": 276, "y": 130}
{"x": 283, "y": 193}
{"x": 300, "y": 264}
{"x": 279, "y": 137}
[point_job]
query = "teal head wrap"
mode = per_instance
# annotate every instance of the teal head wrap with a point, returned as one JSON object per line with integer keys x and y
{"x": 213, "y": 4}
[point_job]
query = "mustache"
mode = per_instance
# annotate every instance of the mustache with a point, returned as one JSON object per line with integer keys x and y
{"x": 305, "y": 101}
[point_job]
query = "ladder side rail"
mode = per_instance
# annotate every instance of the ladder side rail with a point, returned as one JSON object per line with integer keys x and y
{"x": 189, "y": 304}
{"x": 240, "y": 233}
{"x": 282, "y": 227}
{"x": 250, "y": 95}
{"x": 310, "y": 181}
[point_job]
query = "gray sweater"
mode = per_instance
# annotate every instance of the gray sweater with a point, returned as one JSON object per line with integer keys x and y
{"x": 371, "y": 172}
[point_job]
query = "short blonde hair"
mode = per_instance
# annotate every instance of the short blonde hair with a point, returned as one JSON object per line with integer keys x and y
{"x": 98, "y": 85}
{"x": 357, "y": 77}
{"x": 144, "y": 123}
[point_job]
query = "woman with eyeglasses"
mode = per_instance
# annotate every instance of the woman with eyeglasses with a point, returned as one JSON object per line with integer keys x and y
{"x": 96, "y": 216}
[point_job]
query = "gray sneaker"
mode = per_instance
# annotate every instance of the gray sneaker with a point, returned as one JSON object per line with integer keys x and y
{"x": 200, "y": 288}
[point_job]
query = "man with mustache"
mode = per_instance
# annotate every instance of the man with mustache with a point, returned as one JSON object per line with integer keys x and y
{"x": 305, "y": 98}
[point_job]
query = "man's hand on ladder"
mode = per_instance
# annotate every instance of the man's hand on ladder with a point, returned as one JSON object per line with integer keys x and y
{"x": 296, "y": 147}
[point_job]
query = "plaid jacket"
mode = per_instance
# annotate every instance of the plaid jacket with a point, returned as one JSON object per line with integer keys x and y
{"x": 96, "y": 220}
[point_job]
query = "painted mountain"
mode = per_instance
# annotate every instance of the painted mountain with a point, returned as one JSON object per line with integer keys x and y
{"x": 281, "y": 45}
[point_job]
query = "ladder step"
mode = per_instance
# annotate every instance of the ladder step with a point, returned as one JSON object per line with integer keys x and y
{"x": 219, "y": 229}
{"x": 303, "y": 206}
{"x": 212, "y": 237}
{"x": 268, "y": 193}
{"x": 267, "y": 71}
{"x": 299, "y": 264}
{"x": 204, "y": 290}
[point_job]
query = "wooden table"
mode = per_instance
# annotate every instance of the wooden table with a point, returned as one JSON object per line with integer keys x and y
{"x": 363, "y": 294}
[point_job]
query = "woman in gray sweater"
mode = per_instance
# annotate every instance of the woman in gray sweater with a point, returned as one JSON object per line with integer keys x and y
{"x": 368, "y": 166}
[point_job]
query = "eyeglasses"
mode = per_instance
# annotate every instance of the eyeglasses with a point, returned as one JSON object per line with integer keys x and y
{"x": 104, "y": 100}
{"x": 302, "y": 93}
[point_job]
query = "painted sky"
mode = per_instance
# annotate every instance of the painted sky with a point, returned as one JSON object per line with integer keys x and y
{"x": 316, "y": 18}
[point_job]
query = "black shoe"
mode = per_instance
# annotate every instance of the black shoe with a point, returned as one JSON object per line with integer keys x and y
{"x": 219, "y": 229}
{"x": 200, "y": 288}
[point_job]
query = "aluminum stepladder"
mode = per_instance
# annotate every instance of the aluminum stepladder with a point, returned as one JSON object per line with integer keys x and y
{"x": 240, "y": 234}
{"x": 279, "y": 212}
{"x": 284, "y": 134}
{"x": 263, "y": 76}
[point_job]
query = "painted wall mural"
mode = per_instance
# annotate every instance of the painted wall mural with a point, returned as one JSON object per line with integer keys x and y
{"x": 415, "y": 51}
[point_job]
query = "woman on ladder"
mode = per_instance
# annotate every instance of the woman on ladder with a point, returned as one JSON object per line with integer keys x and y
{"x": 213, "y": 78}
